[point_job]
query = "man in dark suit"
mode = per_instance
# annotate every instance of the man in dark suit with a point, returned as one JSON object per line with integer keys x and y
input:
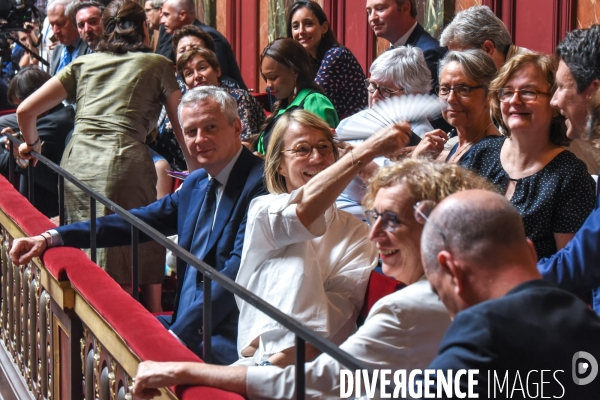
{"x": 508, "y": 323}
{"x": 178, "y": 13}
{"x": 208, "y": 214}
{"x": 70, "y": 44}
{"x": 396, "y": 21}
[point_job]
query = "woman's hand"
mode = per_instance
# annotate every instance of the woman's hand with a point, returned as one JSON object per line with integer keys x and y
{"x": 343, "y": 148}
{"x": 25, "y": 151}
{"x": 389, "y": 140}
{"x": 9, "y": 131}
{"x": 431, "y": 145}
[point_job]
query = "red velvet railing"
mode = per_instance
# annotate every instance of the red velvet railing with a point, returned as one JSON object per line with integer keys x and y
{"x": 142, "y": 333}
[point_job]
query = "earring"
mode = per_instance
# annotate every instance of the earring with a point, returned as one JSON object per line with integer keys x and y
{"x": 295, "y": 91}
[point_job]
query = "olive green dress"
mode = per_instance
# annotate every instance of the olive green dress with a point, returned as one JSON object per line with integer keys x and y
{"x": 118, "y": 98}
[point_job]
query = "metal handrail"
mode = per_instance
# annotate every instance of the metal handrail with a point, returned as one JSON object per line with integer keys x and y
{"x": 303, "y": 334}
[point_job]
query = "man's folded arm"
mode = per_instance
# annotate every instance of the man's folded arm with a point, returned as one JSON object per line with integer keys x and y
{"x": 113, "y": 230}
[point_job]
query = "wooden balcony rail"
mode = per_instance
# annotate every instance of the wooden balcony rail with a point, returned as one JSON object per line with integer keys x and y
{"x": 67, "y": 330}
{"x": 121, "y": 322}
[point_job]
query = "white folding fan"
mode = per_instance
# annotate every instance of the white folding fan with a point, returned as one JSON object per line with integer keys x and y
{"x": 410, "y": 107}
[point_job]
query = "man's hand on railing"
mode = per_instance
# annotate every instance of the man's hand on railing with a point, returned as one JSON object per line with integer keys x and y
{"x": 24, "y": 249}
{"x": 153, "y": 375}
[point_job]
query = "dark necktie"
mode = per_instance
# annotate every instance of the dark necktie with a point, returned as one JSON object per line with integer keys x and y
{"x": 199, "y": 242}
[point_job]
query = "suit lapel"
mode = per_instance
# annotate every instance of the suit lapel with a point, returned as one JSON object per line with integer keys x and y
{"x": 55, "y": 59}
{"x": 415, "y": 35}
{"x": 196, "y": 200}
{"x": 233, "y": 189}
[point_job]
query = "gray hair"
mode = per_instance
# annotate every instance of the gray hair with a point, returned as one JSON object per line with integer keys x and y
{"x": 67, "y": 4}
{"x": 227, "y": 104}
{"x": 476, "y": 65}
{"x": 473, "y": 26}
{"x": 186, "y": 5}
{"x": 156, "y": 4}
{"x": 405, "y": 67}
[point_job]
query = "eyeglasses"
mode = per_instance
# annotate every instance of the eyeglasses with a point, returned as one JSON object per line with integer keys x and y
{"x": 304, "y": 150}
{"x": 388, "y": 219}
{"x": 383, "y": 91}
{"x": 422, "y": 211}
{"x": 460, "y": 90}
{"x": 505, "y": 95}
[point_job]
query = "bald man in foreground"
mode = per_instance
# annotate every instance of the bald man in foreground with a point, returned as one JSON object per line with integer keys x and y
{"x": 523, "y": 334}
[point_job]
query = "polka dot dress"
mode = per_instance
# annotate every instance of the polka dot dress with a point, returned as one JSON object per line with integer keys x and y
{"x": 556, "y": 199}
{"x": 343, "y": 80}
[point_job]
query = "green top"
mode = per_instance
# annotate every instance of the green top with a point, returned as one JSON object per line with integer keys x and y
{"x": 118, "y": 92}
{"x": 314, "y": 102}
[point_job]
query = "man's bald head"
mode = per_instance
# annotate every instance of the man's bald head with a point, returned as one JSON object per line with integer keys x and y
{"x": 476, "y": 223}
{"x": 474, "y": 249}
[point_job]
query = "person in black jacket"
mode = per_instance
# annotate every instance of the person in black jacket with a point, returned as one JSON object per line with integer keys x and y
{"x": 508, "y": 323}
{"x": 53, "y": 128}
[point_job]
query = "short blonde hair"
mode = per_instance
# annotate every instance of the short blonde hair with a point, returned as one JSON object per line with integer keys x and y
{"x": 547, "y": 65}
{"x": 425, "y": 180}
{"x": 276, "y": 182}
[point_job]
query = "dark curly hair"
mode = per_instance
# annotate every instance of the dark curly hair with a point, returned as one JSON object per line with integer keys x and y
{"x": 328, "y": 40}
{"x": 580, "y": 50}
{"x": 123, "y": 28}
{"x": 193, "y": 30}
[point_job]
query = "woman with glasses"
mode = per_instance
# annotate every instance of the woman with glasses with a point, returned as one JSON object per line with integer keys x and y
{"x": 397, "y": 72}
{"x": 394, "y": 73}
{"x": 301, "y": 254}
{"x": 339, "y": 72}
{"x": 463, "y": 90}
{"x": 403, "y": 330}
{"x": 289, "y": 73}
{"x": 549, "y": 186}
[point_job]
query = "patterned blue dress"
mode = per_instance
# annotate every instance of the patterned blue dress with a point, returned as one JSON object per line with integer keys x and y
{"x": 342, "y": 78}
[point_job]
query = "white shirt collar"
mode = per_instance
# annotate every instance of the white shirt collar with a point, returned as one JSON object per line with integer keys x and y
{"x": 404, "y": 38}
{"x": 223, "y": 176}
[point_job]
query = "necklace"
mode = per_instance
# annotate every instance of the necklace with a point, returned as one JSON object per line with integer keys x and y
{"x": 457, "y": 155}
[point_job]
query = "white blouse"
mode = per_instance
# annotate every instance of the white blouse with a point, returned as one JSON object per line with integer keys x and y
{"x": 317, "y": 275}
